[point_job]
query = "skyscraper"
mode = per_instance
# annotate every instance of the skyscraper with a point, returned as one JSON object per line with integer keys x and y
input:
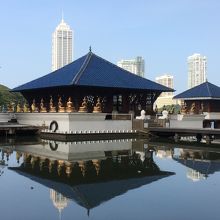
{"x": 197, "y": 67}
{"x": 62, "y": 46}
{"x": 165, "y": 80}
{"x": 135, "y": 66}
{"x": 166, "y": 98}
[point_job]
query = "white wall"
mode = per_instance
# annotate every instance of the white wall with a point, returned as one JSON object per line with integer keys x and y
{"x": 187, "y": 121}
{"x": 74, "y": 121}
{"x": 5, "y": 117}
{"x": 212, "y": 115}
{"x": 40, "y": 119}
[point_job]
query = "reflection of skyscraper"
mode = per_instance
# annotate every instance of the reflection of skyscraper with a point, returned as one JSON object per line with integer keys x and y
{"x": 135, "y": 66}
{"x": 59, "y": 201}
{"x": 196, "y": 70}
{"x": 61, "y": 46}
{"x": 164, "y": 153}
{"x": 195, "y": 175}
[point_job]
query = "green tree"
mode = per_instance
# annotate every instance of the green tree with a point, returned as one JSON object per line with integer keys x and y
{"x": 7, "y": 97}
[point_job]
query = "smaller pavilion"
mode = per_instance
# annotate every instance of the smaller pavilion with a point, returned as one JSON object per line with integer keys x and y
{"x": 203, "y": 99}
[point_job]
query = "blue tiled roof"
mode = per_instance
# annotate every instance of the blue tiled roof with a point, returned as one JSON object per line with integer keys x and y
{"x": 204, "y": 90}
{"x": 92, "y": 70}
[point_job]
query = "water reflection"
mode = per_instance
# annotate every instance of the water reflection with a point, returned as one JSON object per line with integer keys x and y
{"x": 81, "y": 178}
{"x": 164, "y": 152}
{"x": 201, "y": 161}
{"x": 59, "y": 201}
{"x": 89, "y": 173}
{"x": 4, "y": 158}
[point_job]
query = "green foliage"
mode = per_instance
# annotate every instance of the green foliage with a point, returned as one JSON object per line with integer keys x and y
{"x": 174, "y": 109}
{"x": 7, "y": 97}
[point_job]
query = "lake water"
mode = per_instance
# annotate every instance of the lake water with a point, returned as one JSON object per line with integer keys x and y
{"x": 122, "y": 179}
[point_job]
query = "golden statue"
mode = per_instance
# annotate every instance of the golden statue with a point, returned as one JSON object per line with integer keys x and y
{"x": 60, "y": 105}
{"x": 52, "y": 107}
{"x": 69, "y": 106}
{"x": 18, "y": 108}
{"x": 83, "y": 107}
{"x": 34, "y": 108}
{"x": 42, "y": 107}
{"x": 193, "y": 108}
{"x": 10, "y": 107}
{"x": 26, "y": 108}
{"x": 184, "y": 109}
{"x": 98, "y": 107}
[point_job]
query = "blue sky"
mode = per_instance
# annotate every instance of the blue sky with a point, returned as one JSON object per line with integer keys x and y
{"x": 163, "y": 32}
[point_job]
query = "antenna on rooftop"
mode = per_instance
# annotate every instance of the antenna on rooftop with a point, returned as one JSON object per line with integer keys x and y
{"x": 90, "y": 48}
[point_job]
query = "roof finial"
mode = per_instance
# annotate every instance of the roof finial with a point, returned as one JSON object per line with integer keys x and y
{"x": 90, "y": 48}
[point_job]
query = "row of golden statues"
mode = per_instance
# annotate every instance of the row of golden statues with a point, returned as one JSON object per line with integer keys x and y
{"x": 192, "y": 109}
{"x": 59, "y": 108}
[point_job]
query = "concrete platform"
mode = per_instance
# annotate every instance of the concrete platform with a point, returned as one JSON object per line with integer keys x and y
{"x": 7, "y": 128}
{"x": 206, "y": 133}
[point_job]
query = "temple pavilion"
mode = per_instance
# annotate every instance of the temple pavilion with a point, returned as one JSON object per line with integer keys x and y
{"x": 92, "y": 82}
{"x": 202, "y": 98}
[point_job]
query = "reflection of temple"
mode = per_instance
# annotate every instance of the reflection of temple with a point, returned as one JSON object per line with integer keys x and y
{"x": 59, "y": 201}
{"x": 5, "y": 153}
{"x": 114, "y": 165}
{"x": 200, "y": 163}
{"x": 91, "y": 177}
{"x": 90, "y": 187}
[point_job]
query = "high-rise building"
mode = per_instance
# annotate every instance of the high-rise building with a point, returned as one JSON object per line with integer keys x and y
{"x": 135, "y": 66}
{"x": 62, "y": 51}
{"x": 197, "y": 67}
{"x": 166, "y": 98}
{"x": 165, "y": 80}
